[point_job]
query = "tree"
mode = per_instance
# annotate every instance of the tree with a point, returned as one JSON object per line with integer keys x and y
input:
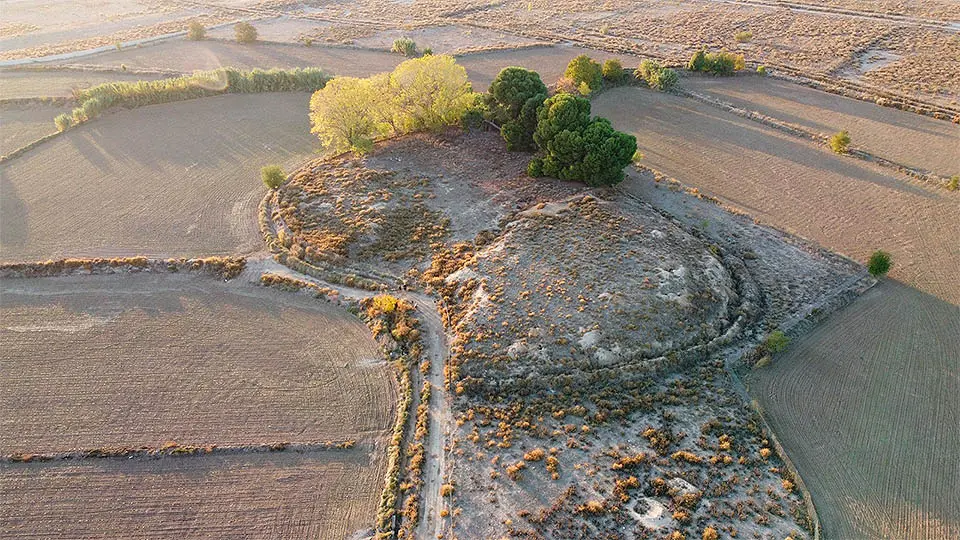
{"x": 510, "y": 91}
{"x": 577, "y": 148}
{"x": 350, "y": 113}
{"x": 613, "y": 70}
{"x": 196, "y": 31}
{"x": 429, "y": 93}
{"x": 422, "y": 93}
{"x": 245, "y": 32}
{"x": 272, "y": 176}
{"x": 518, "y": 133}
{"x": 583, "y": 69}
{"x": 839, "y": 142}
{"x": 879, "y": 263}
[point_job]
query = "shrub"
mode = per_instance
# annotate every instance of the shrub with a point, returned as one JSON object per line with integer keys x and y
{"x": 446, "y": 490}
{"x": 710, "y": 533}
{"x": 954, "y": 183}
{"x": 776, "y": 342}
{"x": 245, "y": 32}
{"x": 272, "y": 176}
{"x": 761, "y": 70}
{"x": 63, "y": 121}
{"x": 612, "y": 70}
{"x": 657, "y": 76}
{"x": 743, "y": 37}
{"x": 404, "y": 46}
{"x": 428, "y": 51}
{"x": 93, "y": 101}
{"x": 879, "y": 263}
{"x": 196, "y": 31}
{"x": 578, "y": 148}
{"x": 583, "y": 69}
{"x": 839, "y": 142}
{"x": 698, "y": 60}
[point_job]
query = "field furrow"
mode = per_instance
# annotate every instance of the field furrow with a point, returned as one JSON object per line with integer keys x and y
{"x": 867, "y": 405}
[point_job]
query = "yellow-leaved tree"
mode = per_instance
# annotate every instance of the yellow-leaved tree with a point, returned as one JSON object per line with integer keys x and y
{"x": 350, "y": 113}
{"x": 429, "y": 93}
{"x": 420, "y": 94}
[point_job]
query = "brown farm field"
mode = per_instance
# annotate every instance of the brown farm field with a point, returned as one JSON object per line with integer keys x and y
{"x": 907, "y": 138}
{"x": 125, "y": 361}
{"x": 174, "y": 179}
{"x": 840, "y": 202}
{"x": 321, "y": 495}
{"x": 133, "y": 361}
{"x": 22, "y": 124}
{"x": 867, "y": 406}
{"x": 60, "y": 83}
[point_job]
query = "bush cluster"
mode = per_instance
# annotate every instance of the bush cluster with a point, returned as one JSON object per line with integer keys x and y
{"x": 421, "y": 94}
{"x": 718, "y": 63}
{"x": 839, "y": 142}
{"x": 656, "y": 76}
{"x": 585, "y": 74}
{"x": 879, "y": 263}
{"x": 613, "y": 71}
{"x": 272, "y": 176}
{"x": 95, "y": 100}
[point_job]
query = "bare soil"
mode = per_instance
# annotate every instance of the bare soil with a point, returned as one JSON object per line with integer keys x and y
{"x": 907, "y": 138}
{"x": 29, "y": 84}
{"x": 25, "y": 123}
{"x": 328, "y": 494}
{"x": 867, "y": 406}
{"x": 139, "y": 360}
{"x": 174, "y": 179}
{"x": 842, "y": 203}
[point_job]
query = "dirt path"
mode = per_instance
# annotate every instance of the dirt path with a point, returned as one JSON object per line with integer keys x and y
{"x": 436, "y": 351}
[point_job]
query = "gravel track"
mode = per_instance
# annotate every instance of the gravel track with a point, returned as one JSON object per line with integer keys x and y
{"x": 867, "y": 406}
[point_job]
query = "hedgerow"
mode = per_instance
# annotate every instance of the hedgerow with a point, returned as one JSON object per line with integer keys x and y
{"x": 95, "y": 100}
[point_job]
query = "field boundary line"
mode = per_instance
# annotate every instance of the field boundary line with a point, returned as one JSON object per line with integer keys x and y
{"x": 820, "y": 138}
{"x": 173, "y": 449}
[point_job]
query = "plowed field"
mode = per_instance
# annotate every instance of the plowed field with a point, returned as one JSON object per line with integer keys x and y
{"x": 177, "y": 179}
{"x": 868, "y": 406}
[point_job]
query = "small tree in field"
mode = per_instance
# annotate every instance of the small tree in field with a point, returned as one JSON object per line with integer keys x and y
{"x": 839, "y": 142}
{"x": 879, "y": 263}
{"x": 196, "y": 31}
{"x": 404, "y": 46}
{"x": 272, "y": 176}
{"x": 350, "y": 113}
{"x": 245, "y": 32}
{"x": 583, "y": 70}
